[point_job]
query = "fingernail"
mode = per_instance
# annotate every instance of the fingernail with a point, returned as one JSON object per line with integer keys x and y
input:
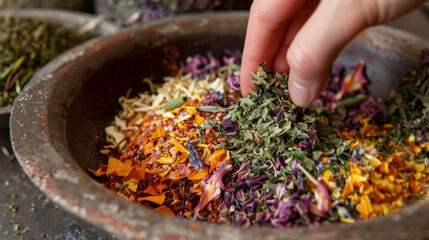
{"x": 300, "y": 95}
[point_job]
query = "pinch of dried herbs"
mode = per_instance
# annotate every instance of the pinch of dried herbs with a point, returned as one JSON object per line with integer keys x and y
{"x": 210, "y": 155}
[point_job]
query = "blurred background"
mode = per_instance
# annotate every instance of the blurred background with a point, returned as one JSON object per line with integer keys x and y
{"x": 129, "y": 13}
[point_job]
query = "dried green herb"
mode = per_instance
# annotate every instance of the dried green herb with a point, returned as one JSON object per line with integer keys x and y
{"x": 27, "y": 44}
{"x": 270, "y": 127}
{"x": 409, "y": 106}
{"x": 175, "y": 103}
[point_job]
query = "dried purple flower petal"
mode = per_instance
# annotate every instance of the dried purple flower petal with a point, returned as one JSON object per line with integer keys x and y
{"x": 294, "y": 167}
{"x": 304, "y": 203}
{"x": 280, "y": 190}
{"x": 283, "y": 211}
{"x": 242, "y": 221}
{"x": 233, "y": 82}
{"x": 301, "y": 184}
{"x": 281, "y": 222}
{"x": 228, "y": 126}
{"x": 303, "y": 144}
{"x": 279, "y": 114}
{"x": 321, "y": 195}
{"x": 279, "y": 162}
{"x": 263, "y": 216}
{"x": 354, "y": 81}
{"x": 211, "y": 188}
{"x": 195, "y": 157}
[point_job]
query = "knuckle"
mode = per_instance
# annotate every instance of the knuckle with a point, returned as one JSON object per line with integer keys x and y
{"x": 270, "y": 24}
{"x": 300, "y": 60}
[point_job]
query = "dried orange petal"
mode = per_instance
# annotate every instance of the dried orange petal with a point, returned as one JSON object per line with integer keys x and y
{"x": 115, "y": 166}
{"x": 165, "y": 210}
{"x": 155, "y": 199}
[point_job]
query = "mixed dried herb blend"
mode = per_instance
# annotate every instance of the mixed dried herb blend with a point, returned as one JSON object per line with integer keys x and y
{"x": 193, "y": 148}
{"x": 27, "y": 44}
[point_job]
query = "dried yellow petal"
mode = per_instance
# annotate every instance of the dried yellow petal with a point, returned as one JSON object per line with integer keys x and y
{"x": 155, "y": 199}
{"x": 116, "y": 167}
{"x": 179, "y": 146}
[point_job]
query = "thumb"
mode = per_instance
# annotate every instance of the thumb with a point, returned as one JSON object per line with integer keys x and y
{"x": 327, "y": 31}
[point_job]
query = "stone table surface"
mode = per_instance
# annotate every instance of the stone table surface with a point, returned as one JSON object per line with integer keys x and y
{"x": 25, "y": 213}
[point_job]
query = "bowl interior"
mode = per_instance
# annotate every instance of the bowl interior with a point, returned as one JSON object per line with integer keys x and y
{"x": 123, "y": 65}
{"x": 123, "y": 62}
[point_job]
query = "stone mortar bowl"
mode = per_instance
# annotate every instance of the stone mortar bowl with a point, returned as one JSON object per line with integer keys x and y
{"x": 57, "y": 124}
{"x": 70, "y": 19}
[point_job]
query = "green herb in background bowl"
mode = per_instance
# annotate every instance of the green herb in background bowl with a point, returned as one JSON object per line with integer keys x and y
{"x": 26, "y": 45}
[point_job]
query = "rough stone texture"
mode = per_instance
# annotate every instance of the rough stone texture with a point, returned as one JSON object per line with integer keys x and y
{"x": 57, "y": 124}
{"x": 27, "y": 214}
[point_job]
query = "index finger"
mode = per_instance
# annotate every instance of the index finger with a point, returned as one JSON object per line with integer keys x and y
{"x": 265, "y": 30}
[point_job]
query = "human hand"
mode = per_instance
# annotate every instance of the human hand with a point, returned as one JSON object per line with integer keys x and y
{"x": 303, "y": 37}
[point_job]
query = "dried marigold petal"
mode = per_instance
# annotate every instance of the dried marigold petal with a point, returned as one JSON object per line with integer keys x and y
{"x": 378, "y": 197}
{"x": 155, "y": 199}
{"x": 161, "y": 187}
{"x": 347, "y": 220}
{"x": 175, "y": 175}
{"x": 216, "y": 158}
{"x": 133, "y": 184}
{"x": 179, "y": 146}
{"x": 384, "y": 168}
{"x": 191, "y": 110}
{"x": 198, "y": 120}
{"x": 327, "y": 176}
{"x": 165, "y": 172}
{"x": 99, "y": 172}
{"x": 165, "y": 160}
{"x": 142, "y": 169}
{"x": 116, "y": 167}
{"x": 364, "y": 207}
{"x": 155, "y": 170}
{"x": 420, "y": 167}
{"x": 165, "y": 210}
{"x": 195, "y": 175}
{"x": 182, "y": 158}
{"x": 356, "y": 80}
{"x": 134, "y": 174}
{"x": 159, "y": 132}
{"x": 348, "y": 189}
{"x": 151, "y": 191}
{"x": 375, "y": 162}
{"x": 206, "y": 153}
{"x": 182, "y": 139}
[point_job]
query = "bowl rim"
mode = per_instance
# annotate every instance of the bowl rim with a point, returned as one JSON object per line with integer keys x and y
{"x": 109, "y": 214}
